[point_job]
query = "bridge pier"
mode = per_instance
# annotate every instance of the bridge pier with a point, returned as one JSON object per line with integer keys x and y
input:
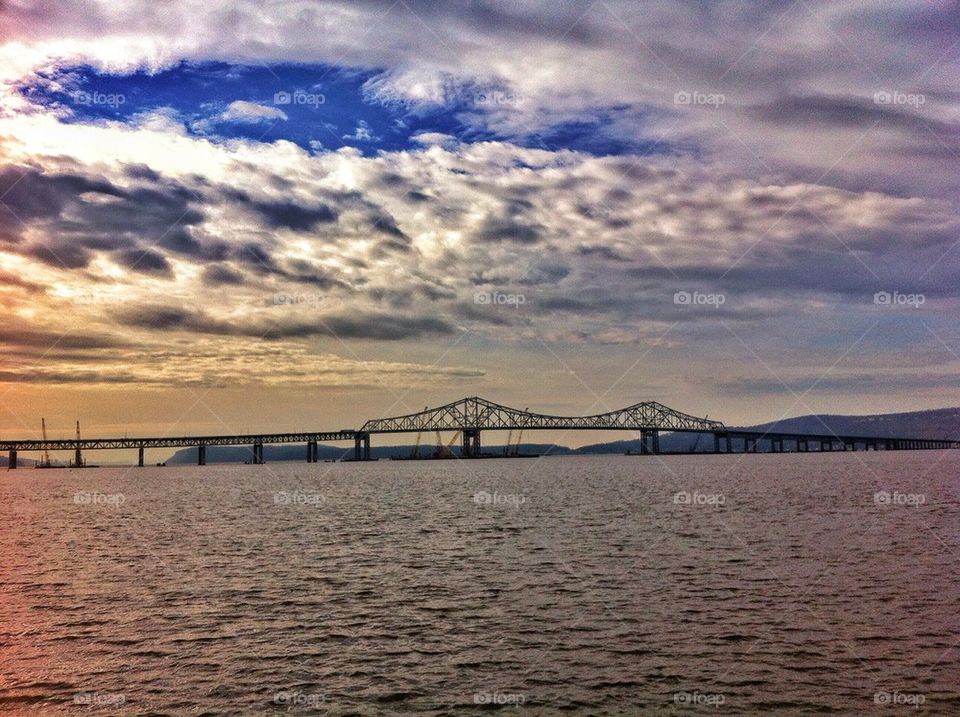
{"x": 258, "y": 454}
{"x": 12, "y": 460}
{"x": 650, "y": 442}
{"x": 201, "y": 455}
{"x": 311, "y": 451}
{"x": 361, "y": 447}
{"x": 77, "y": 457}
{"x": 140, "y": 457}
{"x": 471, "y": 443}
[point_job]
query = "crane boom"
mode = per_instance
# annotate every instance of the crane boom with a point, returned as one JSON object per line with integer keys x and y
{"x": 43, "y": 431}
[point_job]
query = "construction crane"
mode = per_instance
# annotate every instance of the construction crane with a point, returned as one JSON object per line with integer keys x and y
{"x": 415, "y": 453}
{"x": 46, "y": 453}
{"x": 516, "y": 451}
{"x": 443, "y": 451}
{"x": 78, "y": 459}
{"x": 697, "y": 442}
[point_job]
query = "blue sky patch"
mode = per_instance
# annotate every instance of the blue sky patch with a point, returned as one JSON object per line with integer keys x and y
{"x": 321, "y": 108}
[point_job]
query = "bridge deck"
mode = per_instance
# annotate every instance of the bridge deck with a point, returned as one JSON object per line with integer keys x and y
{"x": 470, "y": 416}
{"x": 70, "y": 444}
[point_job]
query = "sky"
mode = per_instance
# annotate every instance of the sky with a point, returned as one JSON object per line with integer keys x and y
{"x": 263, "y": 216}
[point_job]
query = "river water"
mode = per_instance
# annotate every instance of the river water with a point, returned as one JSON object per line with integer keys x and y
{"x": 588, "y": 585}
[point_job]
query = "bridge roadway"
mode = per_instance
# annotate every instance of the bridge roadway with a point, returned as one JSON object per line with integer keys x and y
{"x": 471, "y": 416}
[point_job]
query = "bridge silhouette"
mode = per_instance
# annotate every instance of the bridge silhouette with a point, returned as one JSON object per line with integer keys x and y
{"x": 471, "y": 416}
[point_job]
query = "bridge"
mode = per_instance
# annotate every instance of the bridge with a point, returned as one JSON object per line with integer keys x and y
{"x": 471, "y": 416}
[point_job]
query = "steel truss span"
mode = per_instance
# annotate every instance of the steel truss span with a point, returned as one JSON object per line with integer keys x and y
{"x": 480, "y": 414}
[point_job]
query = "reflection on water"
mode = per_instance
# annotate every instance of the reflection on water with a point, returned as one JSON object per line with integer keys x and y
{"x": 793, "y": 583}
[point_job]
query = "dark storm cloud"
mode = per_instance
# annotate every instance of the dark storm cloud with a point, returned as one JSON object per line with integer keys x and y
{"x": 288, "y": 215}
{"x": 80, "y": 214}
{"x": 180, "y": 241}
{"x": 600, "y": 250}
{"x": 494, "y": 229}
{"x": 141, "y": 171}
{"x": 384, "y": 327}
{"x": 359, "y": 325}
{"x": 858, "y": 383}
{"x": 32, "y": 194}
{"x": 259, "y": 261}
{"x": 847, "y": 112}
{"x": 38, "y": 338}
{"x": 39, "y": 375}
{"x": 155, "y": 317}
{"x": 255, "y": 256}
{"x": 144, "y": 262}
{"x": 383, "y": 221}
{"x": 220, "y": 274}
{"x": 281, "y": 213}
{"x": 62, "y": 256}
{"x": 570, "y": 20}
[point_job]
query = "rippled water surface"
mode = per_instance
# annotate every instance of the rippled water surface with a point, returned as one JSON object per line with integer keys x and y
{"x": 788, "y": 583}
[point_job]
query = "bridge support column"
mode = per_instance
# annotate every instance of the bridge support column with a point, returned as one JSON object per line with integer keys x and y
{"x": 471, "y": 443}
{"x": 361, "y": 446}
{"x": 201, "y": 455}
{"x": 140, "y": 457}
{"x": 12, "y": 460}
{"x": 650, "y": 442}
{"x": 311, "y": 451}
{"x": 258, "y": 453}
{"x": 77, "y": 457}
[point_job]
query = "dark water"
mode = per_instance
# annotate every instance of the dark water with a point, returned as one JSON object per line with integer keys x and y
{"x": 581, "y": 585}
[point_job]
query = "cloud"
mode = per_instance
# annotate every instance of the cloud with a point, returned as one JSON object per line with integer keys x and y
{"x": 198, "y": 239}
{"x": 250, "y": 113}
{"x": 362, "y": 133}
{"x": 356, "y": 325}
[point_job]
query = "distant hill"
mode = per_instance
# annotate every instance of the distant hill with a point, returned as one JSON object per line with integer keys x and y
{"x": 21, "y": 461}
{"x": 298, "y": 452}
{"x": 936, "y": 423}
{"x": 669, "y": 442}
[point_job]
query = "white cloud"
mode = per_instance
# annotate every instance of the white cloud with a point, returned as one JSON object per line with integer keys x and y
{"x": 250, "y": 113}
{"x": 362, "y": 133}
